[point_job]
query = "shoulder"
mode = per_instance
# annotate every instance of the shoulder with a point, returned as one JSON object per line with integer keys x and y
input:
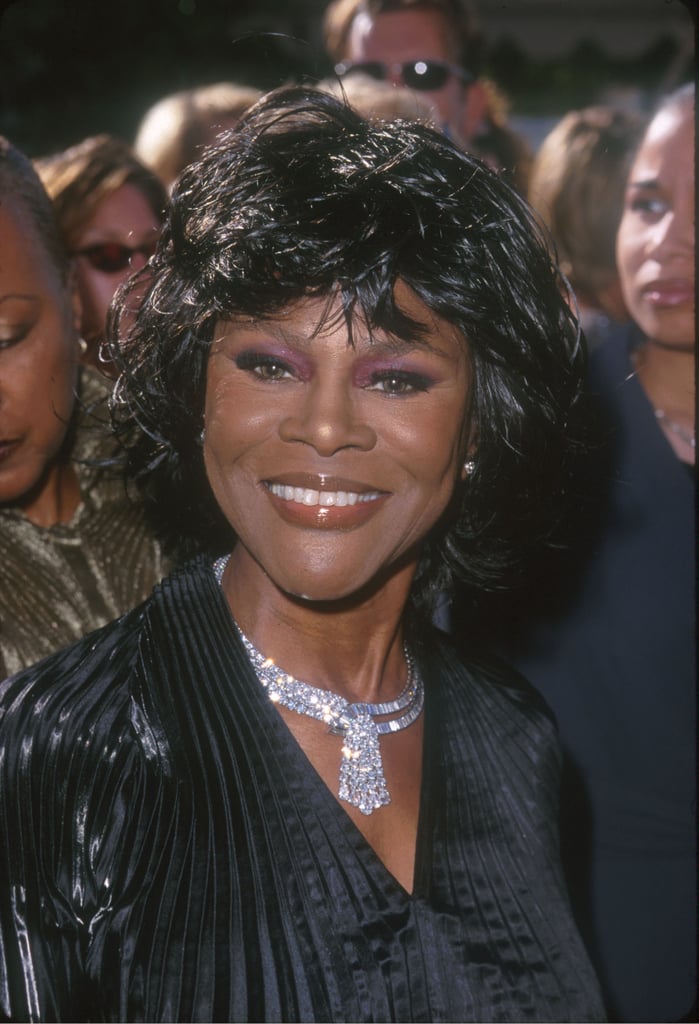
{"x": 483, "y": 678}
{"x": 91, "y": 671}
{"x": 496, "y": 734}
{"x": 67, "y": 693}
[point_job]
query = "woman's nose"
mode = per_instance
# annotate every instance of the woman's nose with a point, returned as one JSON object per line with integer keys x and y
{"x": 673, "y": 235}
{"x": 328, "y": 419}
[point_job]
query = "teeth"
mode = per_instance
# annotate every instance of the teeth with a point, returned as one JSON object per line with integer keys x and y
{"x": 325, "y": 499}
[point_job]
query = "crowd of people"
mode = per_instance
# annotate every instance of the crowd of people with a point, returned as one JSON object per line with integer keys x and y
{"x": 347, "y": 448}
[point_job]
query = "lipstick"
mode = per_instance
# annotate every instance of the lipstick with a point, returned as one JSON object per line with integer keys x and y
{"x": 324, "y": 502}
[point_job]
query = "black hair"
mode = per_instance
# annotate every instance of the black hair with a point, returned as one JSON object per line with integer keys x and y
{"x": 305, "y": 197}
{"x": 19, "y": 178}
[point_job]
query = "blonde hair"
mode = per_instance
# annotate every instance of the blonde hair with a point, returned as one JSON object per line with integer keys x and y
{"x": 175, "y": 130}
{"x": 577, "y": 183}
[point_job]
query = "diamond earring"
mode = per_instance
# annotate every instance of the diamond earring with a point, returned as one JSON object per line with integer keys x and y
{"x": 469, "y": 467}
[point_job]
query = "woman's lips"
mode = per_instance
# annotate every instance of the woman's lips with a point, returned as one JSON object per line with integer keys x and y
{"x": 669, "y": 293}
{"x": 7, "y": 448}
{"x": 326, "y": 502}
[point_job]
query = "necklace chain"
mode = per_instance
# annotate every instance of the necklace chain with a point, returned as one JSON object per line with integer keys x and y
{"x": 686, "y": 435}
{"x": 362, "y": 780}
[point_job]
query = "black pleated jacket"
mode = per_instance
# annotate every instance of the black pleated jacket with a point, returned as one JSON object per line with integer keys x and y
{"x": 169, "y": 854}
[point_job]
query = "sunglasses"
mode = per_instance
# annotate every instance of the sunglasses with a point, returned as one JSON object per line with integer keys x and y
{"x": 423, "y": 75}
{"x": 113, "y": 257}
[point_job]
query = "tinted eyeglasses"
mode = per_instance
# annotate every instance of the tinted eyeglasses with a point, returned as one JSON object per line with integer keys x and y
{"x": 113, "y": 257}
{"x": 423, "y": 75}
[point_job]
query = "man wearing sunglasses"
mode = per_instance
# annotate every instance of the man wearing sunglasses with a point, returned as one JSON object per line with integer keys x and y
{"x": 430, "y": 46}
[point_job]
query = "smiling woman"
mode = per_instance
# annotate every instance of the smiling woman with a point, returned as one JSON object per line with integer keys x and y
{"x": 351, "y": 362}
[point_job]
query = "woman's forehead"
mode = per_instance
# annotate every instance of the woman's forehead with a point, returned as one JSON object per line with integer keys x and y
{"x": 325, "y": 313}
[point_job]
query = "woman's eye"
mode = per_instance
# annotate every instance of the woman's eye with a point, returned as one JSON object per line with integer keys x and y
{"x": 264, "y": 367}
{"x": 12, "y": 336}
{"x": 653, "y": 207}
{"x": 399, "y": 383}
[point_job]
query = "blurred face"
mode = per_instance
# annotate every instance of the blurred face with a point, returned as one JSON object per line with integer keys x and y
{"x": 115, "y": 242}
{"x": 333, "y": 462}
{"x": 655, "y": 244}
{"x": 421, "y": 34}
{"x": 38, "y": 367}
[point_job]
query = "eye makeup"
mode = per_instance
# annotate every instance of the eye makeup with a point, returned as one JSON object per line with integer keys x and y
{"x": 18, "y": 314}
{"x": 277, "y": 361}
{"x": 408, "y": 371}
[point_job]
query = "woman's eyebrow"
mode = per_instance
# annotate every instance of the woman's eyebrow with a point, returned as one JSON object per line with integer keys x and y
{"x": 645, "y": 183}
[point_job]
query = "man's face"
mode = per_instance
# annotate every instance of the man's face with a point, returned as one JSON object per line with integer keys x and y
{"x": 419, "y": 34}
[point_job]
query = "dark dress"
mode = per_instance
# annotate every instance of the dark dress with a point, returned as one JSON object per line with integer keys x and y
{"x": 618, "y": 668}
{"x": 170, "y": 854}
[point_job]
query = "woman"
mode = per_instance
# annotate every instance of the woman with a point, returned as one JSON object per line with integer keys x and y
{"x": 109, "y": 208}
{"x": 343, "y": 385}
{"x": 74, "y": 550}
{"x": 618, "y": 663}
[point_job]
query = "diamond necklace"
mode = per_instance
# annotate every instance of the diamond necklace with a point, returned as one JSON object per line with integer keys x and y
{"x": 362, "y": 781}
{"x": 686, "y": 435}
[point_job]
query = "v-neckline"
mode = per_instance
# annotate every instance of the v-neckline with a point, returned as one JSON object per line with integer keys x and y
{"x": 319, "y": 791}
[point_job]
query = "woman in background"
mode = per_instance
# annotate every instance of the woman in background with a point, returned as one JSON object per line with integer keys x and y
{"x": 618, "y": 662}
{"x": 109, "y": 208}
{"x": 74, "y": 550}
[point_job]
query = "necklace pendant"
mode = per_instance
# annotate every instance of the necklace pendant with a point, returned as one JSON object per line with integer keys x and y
{"x": 362, "y": 781}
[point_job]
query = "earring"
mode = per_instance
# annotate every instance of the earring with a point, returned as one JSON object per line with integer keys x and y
{"x": 469, "y": 467}
{"x": 82, "y": 346}
{"x": 202, "y": 436}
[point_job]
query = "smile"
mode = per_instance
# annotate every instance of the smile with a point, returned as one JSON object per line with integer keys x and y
{"x": 323, "y": 499}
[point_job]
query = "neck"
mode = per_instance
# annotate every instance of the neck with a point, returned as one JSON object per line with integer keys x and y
{"x": 54, "y": 499}
{"x": 667, "y": 377}
{"x": 352, "y": 647}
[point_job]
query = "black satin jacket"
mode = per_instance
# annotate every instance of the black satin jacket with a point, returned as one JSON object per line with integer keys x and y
{"x": 169, "y": 854}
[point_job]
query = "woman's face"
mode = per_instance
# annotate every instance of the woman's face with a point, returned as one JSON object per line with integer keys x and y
{"x": 332, "y": 462}
{"x": 38, "y": 362}
{"x": 655, "y": 243}
{"x": 113, "y": 244}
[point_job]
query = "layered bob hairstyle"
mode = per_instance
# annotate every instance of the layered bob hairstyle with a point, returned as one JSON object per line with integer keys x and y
{"x": 307, "y": 198}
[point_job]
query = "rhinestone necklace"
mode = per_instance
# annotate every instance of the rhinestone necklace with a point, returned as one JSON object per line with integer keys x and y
{"x": 362, "y": 781}
{"x": 686, "y": 435}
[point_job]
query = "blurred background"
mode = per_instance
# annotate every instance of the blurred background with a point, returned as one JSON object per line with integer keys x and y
{"x": 71, "y": 68}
